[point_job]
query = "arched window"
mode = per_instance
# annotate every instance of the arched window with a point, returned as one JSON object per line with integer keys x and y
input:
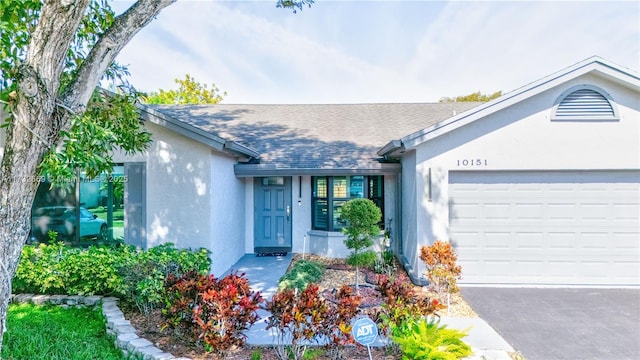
{"x": 585, "y": 102}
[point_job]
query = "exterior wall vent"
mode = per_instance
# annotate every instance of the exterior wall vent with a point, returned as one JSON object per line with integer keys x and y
{"x": 585, "y": 102}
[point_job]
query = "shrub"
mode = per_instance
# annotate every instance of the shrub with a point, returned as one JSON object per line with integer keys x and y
{"x": 401, "y": 304}
{"x": 385, "y": 263}
{"x": 419, "y": 338}
{"x": 216, "y": 311}
{"x": 144, "y": 273}
{"x": 39, "y": 269}
{"x": 302, "y": 274}
{"x": 337, "y": 328}
{"x": 134, "y": 275}
{"x": 297, "y": 317}
{"x": 363, "y": 216}
{"x": 442, "y": 270}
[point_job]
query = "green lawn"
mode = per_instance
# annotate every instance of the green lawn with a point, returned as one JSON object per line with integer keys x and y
{"x": 55, "y": 333}
{"x": 118, "y": 215}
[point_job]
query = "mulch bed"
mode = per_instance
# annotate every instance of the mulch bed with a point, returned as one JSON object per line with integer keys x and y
{"x": 336, "y": 273}
{"x": 369, "y": 295}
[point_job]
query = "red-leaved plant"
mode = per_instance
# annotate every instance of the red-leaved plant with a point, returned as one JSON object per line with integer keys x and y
{"x": 297, "y": 317}
{"x": 213, "y": 310}
{"x": 304, "y": 317}
{"x": 442, "y": 270}
{"x": 400, "y": 304}
{"x": 337, "y": 328}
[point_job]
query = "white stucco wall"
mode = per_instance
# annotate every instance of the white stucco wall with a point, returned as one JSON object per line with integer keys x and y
{"x": 178, "y": 189}
{"x": 300, "y": 213}
{"x": 227, "y": 202}
{"x": 520, "y": 137}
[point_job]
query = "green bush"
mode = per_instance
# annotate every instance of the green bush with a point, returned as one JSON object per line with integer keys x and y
{"x": 134, "y": 275}
{"x": 424, "y": 339}
{"x": 302, "y": 273}
{"x": 362, "y": 216}
{"x": 145, "y": 273}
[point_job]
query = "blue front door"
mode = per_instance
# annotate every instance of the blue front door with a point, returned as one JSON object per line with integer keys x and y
{"x": 272, "y": 230}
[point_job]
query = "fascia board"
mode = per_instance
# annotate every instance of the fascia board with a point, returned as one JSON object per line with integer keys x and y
{"x": 513, "y": 97}
{"x": 181, "y": 128}
{"x": 235, "y": 148}
{"x": 390, "y": 148}
{"x": 251, "y": 170}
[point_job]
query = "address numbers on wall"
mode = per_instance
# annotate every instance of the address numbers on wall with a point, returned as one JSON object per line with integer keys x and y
{"x": 472, "y": 162}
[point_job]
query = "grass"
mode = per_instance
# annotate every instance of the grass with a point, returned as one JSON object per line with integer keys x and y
{"x": 118, "y": 215}
{"x": 302, "y": 274}
{"x": 55, "y": 333}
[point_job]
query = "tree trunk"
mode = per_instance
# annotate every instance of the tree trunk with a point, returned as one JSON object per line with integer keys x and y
{"x": 39, "y": 114}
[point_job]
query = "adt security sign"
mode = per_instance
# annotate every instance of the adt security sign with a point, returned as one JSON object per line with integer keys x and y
{"x": 364, "y": 331}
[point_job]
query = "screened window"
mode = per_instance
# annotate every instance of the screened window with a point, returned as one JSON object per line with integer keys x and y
{"x": 331, "y": 192}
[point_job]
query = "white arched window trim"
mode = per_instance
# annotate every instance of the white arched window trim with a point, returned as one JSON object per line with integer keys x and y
{"x": 585, "y": 111}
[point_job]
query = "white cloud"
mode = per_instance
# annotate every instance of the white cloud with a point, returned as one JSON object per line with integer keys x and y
{"x": 492, "y": 46}
{"x": 262, "y": 55}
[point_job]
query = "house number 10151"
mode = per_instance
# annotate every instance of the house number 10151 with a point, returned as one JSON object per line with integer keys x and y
{"x": 473, "y": 162}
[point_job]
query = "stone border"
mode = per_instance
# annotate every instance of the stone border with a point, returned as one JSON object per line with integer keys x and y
{"x": 117, "y": 326}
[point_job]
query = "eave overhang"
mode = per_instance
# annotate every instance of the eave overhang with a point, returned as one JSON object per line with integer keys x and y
{"x": 254, "y": 170}
{"x": 393, "y": 149}
{"x": 215, "y": 142}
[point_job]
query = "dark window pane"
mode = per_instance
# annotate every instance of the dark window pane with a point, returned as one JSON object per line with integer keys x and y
{"x": 320, "y": 215}
{"x": 320, "y": 187}
{"x": 340, "y": 187}
{"x": 356, "y": 187}
{"x": 338, "y": 223}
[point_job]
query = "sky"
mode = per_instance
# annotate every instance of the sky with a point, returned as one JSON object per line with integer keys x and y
{"x": 375, "y": 51}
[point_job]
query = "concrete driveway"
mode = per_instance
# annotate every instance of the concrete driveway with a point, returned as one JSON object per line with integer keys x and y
{"x": 549, "y": 324}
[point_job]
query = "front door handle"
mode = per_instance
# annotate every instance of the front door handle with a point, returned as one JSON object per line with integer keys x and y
{"x": 288, "y": 212}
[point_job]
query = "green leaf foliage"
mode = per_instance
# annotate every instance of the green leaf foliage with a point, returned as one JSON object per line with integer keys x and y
{"x": 301, "y": 274}
{"x": 295, "y": 5}
{"x": 136, "y": 276}
{"x": 189, "y": 92}
{"x": 424, "y": 339}
{"x": 51, "y": 332}
{"x": 110, "y": 122}
{"x": 473, "y": 97}
{"x": 362, "y": 216}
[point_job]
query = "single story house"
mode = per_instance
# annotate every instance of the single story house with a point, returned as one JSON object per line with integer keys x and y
{"x": 539, "y": 187}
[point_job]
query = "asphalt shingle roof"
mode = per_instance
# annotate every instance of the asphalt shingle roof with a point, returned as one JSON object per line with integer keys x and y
{"x": 318, "y": 136}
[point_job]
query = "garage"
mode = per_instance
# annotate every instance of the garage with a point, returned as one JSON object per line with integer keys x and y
{"x": 546, "y": 227}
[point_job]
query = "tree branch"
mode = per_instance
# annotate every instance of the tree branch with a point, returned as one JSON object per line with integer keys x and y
{"x": 124, "y": 27}
{"x": 51, "y": 40}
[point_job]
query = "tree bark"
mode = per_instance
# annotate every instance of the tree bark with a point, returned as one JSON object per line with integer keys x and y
{"x": 40, "y": 113}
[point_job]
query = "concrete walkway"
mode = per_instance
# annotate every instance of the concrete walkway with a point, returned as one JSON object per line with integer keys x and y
{"x": 265, "y": 272}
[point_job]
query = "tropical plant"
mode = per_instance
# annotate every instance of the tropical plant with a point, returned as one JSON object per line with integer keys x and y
{"x": 425, "y": 339}
{"x": 338, "y": 321}
{"x": 216, "y": 311}
{"x": 298, "y": 318}
{"x": 442, "y": 270}
{"x": 362, "y": 216}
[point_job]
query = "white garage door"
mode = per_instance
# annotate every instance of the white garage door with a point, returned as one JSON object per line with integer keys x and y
{"x": 579, "y": 227}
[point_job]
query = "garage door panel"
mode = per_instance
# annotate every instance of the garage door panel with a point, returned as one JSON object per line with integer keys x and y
{"x": 547, "y": 227}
